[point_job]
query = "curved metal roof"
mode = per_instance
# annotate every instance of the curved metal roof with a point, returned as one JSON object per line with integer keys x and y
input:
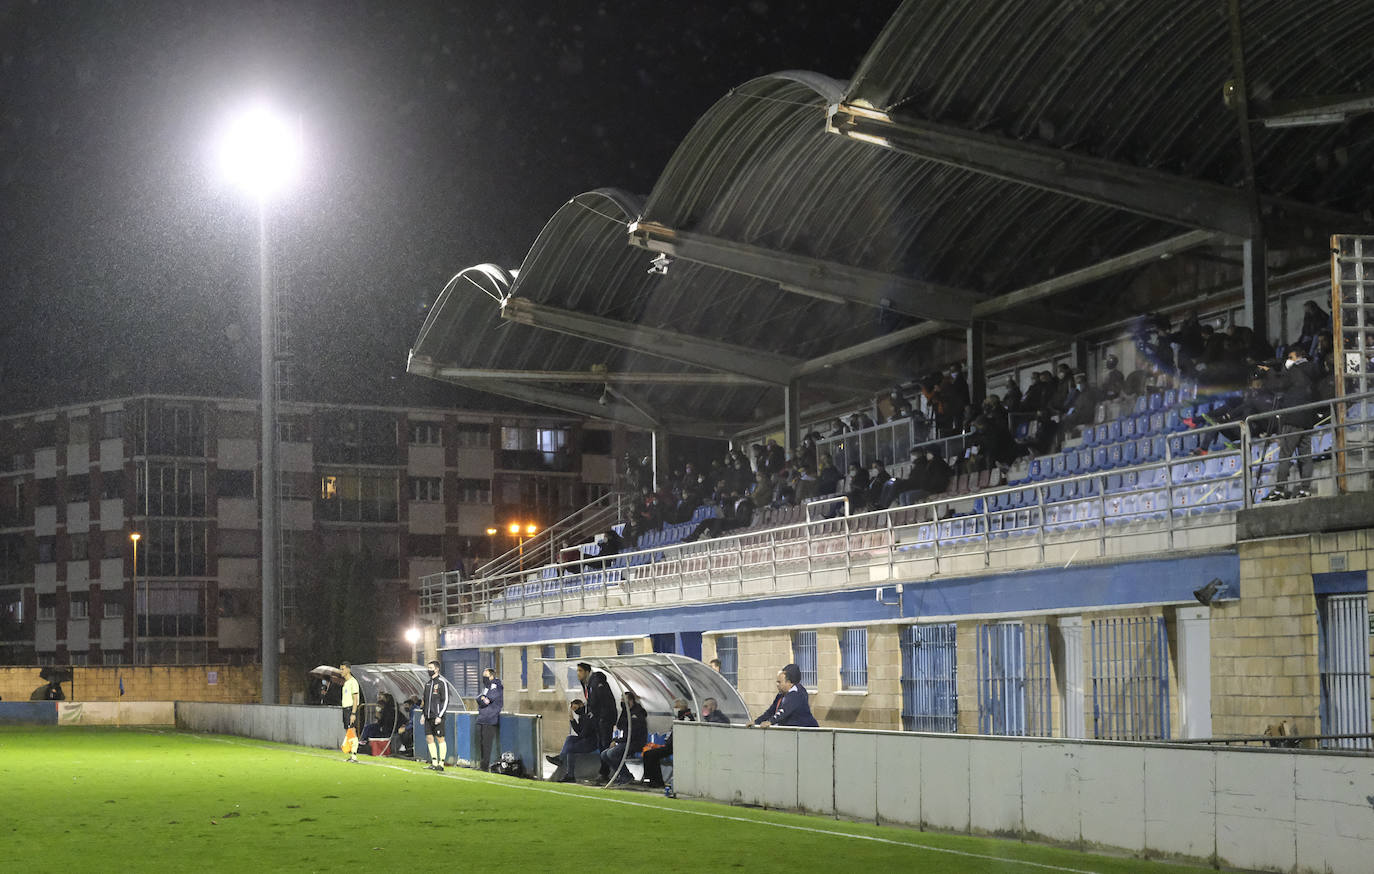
{"x": 982, "y": 151}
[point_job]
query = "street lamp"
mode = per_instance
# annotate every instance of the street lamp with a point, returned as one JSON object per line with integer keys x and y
{"x": 260, "y": 152}
{"x": 413, "y": 638}
{"x": 135, "y": 537}
{"x": 520, "y": 531}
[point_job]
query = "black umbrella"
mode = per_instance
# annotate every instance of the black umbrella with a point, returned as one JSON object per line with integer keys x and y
{"x": 56, "y": 674}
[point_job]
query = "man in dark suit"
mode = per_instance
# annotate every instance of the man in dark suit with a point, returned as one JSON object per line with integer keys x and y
{"x": 600, "y": 703}
{"x": 1297, "y": 385}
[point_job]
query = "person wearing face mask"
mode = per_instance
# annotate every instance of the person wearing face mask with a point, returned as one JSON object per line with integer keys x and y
{"x": 653, "y": 759}
{"x": 436, "y": 705}
{"x": 1297, "y": 385}
{"x": 489, "y": 717}
{"x": 1082, "y": 402}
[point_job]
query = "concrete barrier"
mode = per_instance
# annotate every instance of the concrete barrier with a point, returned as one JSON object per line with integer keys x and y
{"x": 319, "y": 727}
{"x": 1244, "y": 807}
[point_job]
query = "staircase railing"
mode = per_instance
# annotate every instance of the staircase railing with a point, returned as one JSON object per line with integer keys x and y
{"x": 579, "y": 526}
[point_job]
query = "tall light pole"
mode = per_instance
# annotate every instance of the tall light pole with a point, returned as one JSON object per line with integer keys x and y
{"x": 261, "y": 152}
{"x": 134, "y": 537}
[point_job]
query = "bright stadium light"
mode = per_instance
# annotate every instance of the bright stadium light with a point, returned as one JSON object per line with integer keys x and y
{"x": 260, "y": 150}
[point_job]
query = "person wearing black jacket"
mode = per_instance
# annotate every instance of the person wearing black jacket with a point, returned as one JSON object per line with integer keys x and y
{"x": 600, "y": 702}
{"x": 710, "y": 712}
{"x": 436, "y": 705}
{"x": 1297, "y": 386}
{"x": 653, "y": 759}
{"x": 489, "y": 705}
{"x": 581, "y": 739}
{"x": 634, "y": 727}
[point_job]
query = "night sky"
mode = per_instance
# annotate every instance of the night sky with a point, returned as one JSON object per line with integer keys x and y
{"x": 440, "y": 135}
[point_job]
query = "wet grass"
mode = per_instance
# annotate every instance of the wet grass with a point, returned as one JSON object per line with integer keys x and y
{"x": 105, "y": 799}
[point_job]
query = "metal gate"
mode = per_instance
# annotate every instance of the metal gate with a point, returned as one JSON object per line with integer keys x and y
{"x": 930, "y": 698}
{"x": 1130, "y": 659}
{"x": 1344, "y": 665}
{"x": 1014, "y": 679}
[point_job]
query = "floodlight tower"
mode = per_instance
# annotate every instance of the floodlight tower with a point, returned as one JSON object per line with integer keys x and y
{"x": 260, "y": 152}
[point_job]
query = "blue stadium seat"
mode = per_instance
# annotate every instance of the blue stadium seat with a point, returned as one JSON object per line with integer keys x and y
{"x": 1142, "y": 404}
{"x": 1086, "y": 460}
{"x": 1170, "y": 397}
{"x": 1102, "y": 458}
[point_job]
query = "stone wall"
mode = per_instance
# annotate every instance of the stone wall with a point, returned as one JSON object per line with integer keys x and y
{"x": 236, "y": 684}
{"x": 1265, "y": 666}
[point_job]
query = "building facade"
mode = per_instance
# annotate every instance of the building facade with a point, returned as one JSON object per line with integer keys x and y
{"x": 414, "y": 490}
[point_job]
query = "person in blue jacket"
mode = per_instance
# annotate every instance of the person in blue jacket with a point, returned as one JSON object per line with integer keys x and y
{"x": 794, "y": 708}
{"x": 489, "y": 717}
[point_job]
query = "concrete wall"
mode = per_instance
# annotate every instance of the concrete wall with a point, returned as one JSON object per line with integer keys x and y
{"x": 1262, "y": 809}
{"x": 307, "y": 726}
{"x": 87, "y": 713}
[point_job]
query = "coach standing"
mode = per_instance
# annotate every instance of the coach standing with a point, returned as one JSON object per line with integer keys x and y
{"x": 351, "y": 700}
{"x": 436, "y": 705}
{"x": 489, "y": 717}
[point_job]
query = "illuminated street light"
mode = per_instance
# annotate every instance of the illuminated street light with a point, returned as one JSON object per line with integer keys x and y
{"x": 260, "y": 151}
{"x": 413, "y": 638}
{"x": 135, "y": 537}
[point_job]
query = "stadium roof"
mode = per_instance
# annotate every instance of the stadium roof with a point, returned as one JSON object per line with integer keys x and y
{"x": 985, "y": 159}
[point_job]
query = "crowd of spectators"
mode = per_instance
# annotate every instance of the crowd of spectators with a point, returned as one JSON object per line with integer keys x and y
{"x": 996, "y": 430}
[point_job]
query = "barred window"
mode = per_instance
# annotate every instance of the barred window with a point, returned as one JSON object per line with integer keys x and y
{"x": 727, "y": 650}
{"x": 854, "y": 659}
{"x": 804, "y": 655}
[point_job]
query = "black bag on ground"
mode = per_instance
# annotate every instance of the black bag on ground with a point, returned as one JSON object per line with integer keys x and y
{"x": 509, "y": 765}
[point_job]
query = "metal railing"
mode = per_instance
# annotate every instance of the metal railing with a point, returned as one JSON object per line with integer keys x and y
{"x": 578, "y": 526}
{"x": 1184, "y": 499}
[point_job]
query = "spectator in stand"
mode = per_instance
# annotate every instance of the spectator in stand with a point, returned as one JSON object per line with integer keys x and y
{"x": 958, "y": 392}
{"x": 879, "y": 484}
{"x": 609, "y": 544}
{"x": 934, "y": 478}
{"x": 805, "y": 484}
{"x": 740, "y": 476}
{"x": 858, "y": 489}
{"x": 633, "y": 723}
{"x": 762, "y": 492}
{"x": 1315, "y": 322}
{"x": 940, "y": 399}
{"x": 1082, "y": 405}
{"x": 774, "y": 459}
{"x": 1037, "y": 397}
{"x": 1297, "y": 386}
{"x": 992, "y": 437}
{"x": 1113, "y": 382}
{"x": 784, "y": 491}
{"x": 1139, "y": 379}
{"x": 827, "y": 476}
{"x": 1011, "y": 397}
{"x": 738, "y": 513}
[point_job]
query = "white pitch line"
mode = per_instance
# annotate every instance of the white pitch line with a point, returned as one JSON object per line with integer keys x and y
{"x": 532, "y": 786}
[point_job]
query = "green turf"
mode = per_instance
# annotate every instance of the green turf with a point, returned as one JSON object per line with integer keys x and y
{"x": 126, "y": 800}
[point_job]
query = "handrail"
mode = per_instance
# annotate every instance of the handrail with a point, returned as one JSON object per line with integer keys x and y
{"x": 726, "y": 565}
{"x": 574, "y": 524}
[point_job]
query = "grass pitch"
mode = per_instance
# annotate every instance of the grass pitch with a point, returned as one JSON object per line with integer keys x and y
{"x": 126, "y": 800}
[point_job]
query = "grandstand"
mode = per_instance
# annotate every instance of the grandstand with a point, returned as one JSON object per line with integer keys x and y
{"x": 1011, "y": 201}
